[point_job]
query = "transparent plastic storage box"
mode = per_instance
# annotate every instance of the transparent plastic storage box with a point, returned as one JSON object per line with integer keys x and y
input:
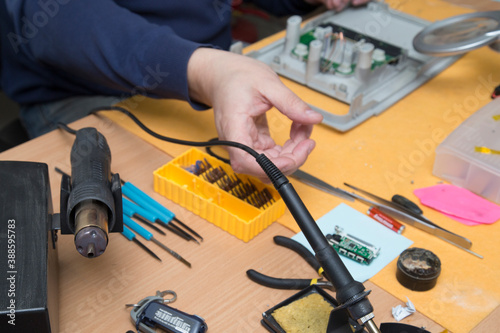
{"x": 470, "y": 156}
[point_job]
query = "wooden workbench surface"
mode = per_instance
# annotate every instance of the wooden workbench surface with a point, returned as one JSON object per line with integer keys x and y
{"x": 93, "y": 292}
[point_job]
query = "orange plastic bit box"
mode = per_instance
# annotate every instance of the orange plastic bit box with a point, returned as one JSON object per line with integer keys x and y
{"x": 183, "y": 181}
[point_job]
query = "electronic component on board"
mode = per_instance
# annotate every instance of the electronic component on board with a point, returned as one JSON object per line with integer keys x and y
{"x": 352, "y": 247}
{"x": 360, "y": 56}
{"x": 344, "y": 49}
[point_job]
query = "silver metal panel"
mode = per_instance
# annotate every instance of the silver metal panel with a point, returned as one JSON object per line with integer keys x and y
{"x": 368, "y": 91}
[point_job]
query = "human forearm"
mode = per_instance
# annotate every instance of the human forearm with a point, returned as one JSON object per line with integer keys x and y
{"x": 103, "y": 46}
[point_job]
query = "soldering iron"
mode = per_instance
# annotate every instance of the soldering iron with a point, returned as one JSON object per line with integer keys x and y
{"x": 91, "y": 199}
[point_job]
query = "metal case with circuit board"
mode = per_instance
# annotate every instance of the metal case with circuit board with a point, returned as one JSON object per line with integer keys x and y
{"x": 361, "y": 56}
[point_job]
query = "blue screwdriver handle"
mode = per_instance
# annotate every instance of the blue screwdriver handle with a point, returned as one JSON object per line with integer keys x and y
{"x": 130, "y": 208}
{"x": 128, "y": 233}
{"x": 137, "y": 228}
{"x": 144, "y": 200}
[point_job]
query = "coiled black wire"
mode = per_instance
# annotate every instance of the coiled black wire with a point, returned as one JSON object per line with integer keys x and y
{"x": 211, "y": 143}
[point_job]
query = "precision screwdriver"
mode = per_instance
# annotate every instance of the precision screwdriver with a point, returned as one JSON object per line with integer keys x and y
{"x": 144, "y": 200}
{"x": 130, "y": 213}
{"x": 131, "y": 236}
{"x": 149, "y": 236}
{"x": 133, "y": 210}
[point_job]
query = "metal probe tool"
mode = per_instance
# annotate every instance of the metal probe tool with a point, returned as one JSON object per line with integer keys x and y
{"x": 149, "y": 236}
{"x": 128, "y": 234}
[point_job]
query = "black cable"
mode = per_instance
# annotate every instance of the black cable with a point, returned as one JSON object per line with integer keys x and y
{"x": 217, "y": 156}
{"x": 65, "y": 127}
{"x": 177, "y": 141}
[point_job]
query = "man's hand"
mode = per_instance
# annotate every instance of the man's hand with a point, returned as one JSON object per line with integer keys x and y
{"x": 337, "y": 5}
{"x": 241, "y": 90}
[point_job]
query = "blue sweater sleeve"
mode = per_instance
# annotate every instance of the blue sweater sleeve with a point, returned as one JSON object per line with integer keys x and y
{"x": 100, "y": 42}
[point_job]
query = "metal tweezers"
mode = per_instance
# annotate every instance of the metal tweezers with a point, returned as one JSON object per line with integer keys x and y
{"x": 418, "y": 221}
{"x": 317, "y": 183}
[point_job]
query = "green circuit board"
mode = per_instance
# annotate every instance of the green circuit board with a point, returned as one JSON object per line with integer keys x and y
{"x": 351, "y": 248}
{"x": 392, "y": 53}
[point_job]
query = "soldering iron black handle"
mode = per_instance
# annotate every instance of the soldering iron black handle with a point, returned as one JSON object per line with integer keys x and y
{"x": 347, "y": 288}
